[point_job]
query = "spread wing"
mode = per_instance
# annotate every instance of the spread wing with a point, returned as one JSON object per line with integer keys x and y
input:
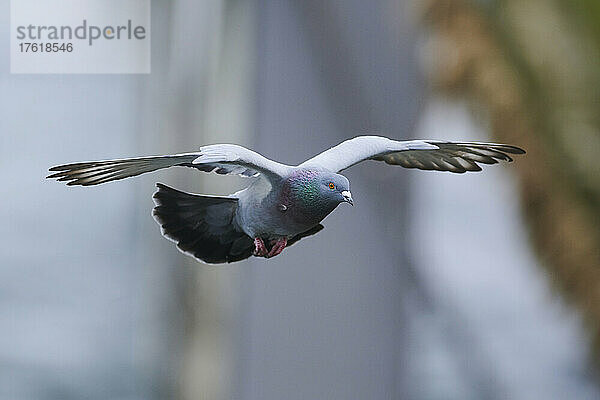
{"x": 220, "y": 158}
{"x": 456, "y": 157}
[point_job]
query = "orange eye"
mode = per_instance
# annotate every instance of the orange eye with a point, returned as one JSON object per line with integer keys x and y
{"x": 331, "y": 185}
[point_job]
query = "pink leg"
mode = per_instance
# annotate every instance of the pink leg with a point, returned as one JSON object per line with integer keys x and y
{"x": 277, "y": 247}
{"x": 260, "y": 250}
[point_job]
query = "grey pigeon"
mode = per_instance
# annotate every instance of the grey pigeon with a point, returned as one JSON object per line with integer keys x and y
{"x": 283, "y": 203}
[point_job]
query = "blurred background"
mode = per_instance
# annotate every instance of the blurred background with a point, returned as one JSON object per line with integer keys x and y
{"x": 434, "y": 286}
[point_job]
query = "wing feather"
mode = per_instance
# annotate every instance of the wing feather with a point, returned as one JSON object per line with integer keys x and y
{"x": 458, "y": 157}
{"x": 223, "y": 159}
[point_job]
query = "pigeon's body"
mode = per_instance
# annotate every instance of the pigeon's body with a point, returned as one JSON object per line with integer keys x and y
{"x": 283, "y": 203}
{"x": 285, "y": 208}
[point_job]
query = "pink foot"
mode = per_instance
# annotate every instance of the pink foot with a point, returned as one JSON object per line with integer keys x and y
{"x": 277, "y": 247}
{"x": 260, "y": 250}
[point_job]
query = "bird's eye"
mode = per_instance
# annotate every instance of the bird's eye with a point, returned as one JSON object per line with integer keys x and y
{"x": 331, "y": 185}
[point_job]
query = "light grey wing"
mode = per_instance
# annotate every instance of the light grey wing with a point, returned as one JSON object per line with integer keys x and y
{"x": 435, "y": 155}
{"x": 235, "y": 159}
{"x": 220, "y": 158}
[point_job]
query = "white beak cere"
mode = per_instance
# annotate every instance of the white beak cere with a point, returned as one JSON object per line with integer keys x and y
{"x": 348, "y": 197}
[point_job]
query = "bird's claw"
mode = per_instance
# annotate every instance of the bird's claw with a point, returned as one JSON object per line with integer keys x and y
{"x": 260, "y": 250}
{"x": 277, "y": 247}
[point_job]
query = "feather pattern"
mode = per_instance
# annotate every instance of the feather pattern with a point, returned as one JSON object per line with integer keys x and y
{"x": 223, "y": 159}
{"x": 435, "y": 155}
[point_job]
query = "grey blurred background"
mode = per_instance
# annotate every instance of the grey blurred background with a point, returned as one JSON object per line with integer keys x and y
{"x": 434, "y": 286}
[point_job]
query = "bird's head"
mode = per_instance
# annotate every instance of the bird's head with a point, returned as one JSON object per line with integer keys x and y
{"x": 320, "y": 188}
{"x": 335, "y": 188}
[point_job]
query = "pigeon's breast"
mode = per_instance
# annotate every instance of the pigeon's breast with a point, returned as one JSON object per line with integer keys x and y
{"x": 272, "y": 213}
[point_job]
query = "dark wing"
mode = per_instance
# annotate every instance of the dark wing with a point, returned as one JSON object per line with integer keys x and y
{"x": 312, "y": 231}
{"x": 435, "y": 155}
{"x": 203, "y": 227}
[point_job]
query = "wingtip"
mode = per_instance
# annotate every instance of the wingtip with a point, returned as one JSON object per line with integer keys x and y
{"x": 506, "y": 148}
{"x": 516, "y": 150}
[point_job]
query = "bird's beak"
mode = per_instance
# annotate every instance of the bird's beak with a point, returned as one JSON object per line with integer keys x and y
{"x": 348, "y": 197}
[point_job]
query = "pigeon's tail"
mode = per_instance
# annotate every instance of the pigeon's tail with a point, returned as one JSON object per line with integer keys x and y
{"x": 202, "y": 226}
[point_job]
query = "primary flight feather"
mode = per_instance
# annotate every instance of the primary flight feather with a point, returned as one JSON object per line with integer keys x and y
{"x": 283, "y": 203}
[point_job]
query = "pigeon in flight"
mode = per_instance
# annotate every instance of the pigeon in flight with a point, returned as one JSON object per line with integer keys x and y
{"x": 283, "y": 203}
